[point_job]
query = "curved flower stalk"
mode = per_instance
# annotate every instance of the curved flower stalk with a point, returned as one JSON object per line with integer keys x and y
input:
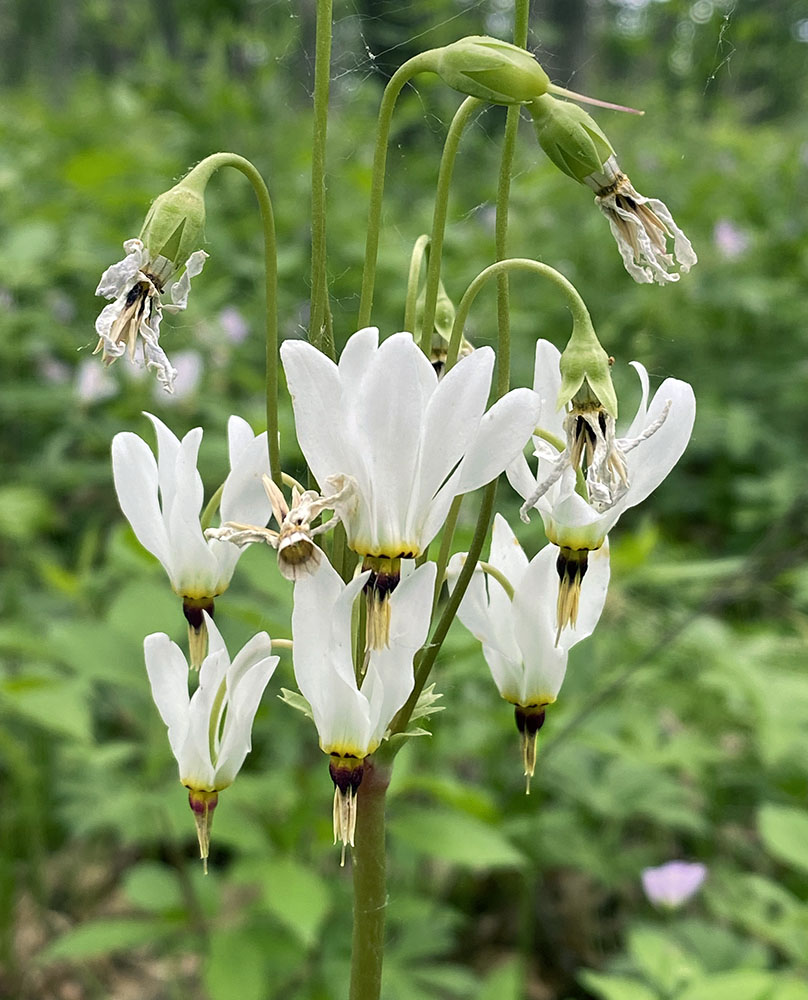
{"x": 579, "y": 512}
{"x": 137, "y": 283}
{"x": 398, "y": 445}
{"x": 353, "y": 715}
{"x": 522, "y": 641}
{"x": 209, "y": 731}
{"x": 162, "y": 501}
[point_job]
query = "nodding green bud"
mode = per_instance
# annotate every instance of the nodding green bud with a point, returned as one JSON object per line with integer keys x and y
{"x": 584, "y": 360}
{"x": 491, "y": 70}
{"x": 174, "y": 226}
{"x": 570, "y": 137}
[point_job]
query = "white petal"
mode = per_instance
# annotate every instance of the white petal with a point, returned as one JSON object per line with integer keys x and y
{"x": 244, "y": 498}
{"x": 196, "y": 765}
{"x": 640, "y": 418}
{"x": 135, "y": 473}
{"x": 534, "y": 612}
{"x": 168, "y": 675}
{"x": 547, "y": 385}
{"x": 509, "y": 558}
{"x": 503, "y": 433}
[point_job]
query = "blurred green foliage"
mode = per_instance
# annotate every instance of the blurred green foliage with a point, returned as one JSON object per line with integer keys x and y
{"x": 682, "y": 729}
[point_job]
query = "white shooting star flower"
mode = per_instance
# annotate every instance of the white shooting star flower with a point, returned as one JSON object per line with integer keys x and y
{"x": 519, "y": 629}
{"x": 654, "y": 443}
{"x": 397, "y": 444}
{"x": 353, "y": 715}
{"x": 136, "y": 284}
{"x": 209, "y": 731}
{"x": 641, "y": 227}
{"x": 162, "y": 501}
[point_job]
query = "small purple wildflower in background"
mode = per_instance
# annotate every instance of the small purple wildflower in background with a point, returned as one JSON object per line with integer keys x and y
{"x": 672, "y": 884}
{"x": 189, "y": 368}
{"x": 92, "y": 383}
{"x": 731, "y": 241}
{"x": 234, "y": 325}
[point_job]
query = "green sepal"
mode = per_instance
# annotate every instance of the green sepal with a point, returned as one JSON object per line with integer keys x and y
{"x": 584, "y": 359}
{"x": 491, "y": 70}
{"x": 570, "y": 137}
{"x": 296, "y": 701}
{"x": 175, "y": 224}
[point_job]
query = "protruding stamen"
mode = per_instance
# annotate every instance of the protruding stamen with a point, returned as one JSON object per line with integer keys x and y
{"x": 192, "y": 608}
{"x": 571, "y": 565}
{"x": 346, "y": 773}
{"x": 384, "y": 578}
{"x": 202, "y": 805}
{"x": 529, "y": 720}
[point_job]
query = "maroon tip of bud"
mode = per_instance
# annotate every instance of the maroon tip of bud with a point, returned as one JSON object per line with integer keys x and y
{"x": 529, "y": 718}
{"x": 192, "y": 608}
{"x": 346, "y": 772}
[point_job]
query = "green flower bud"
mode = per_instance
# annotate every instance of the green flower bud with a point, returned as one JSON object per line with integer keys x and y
{"x": 570, "y": 137}
{"x": 584, "y": 361}
{"x": 174, "y": 226}
{"x": 491, "y": 70}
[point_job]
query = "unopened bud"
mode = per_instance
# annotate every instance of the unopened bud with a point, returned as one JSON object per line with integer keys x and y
{"x": 492, "y": 70}
{"x": 570, "y": 137}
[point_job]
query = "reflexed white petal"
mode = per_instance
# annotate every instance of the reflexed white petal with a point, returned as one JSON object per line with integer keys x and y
{"x": 640, "y": 418}
{"x": 216, "y": 643}
{"x": 509, "y": 558}
{"x": 135, "y": 473}
{"x": 247, "y": 679}
{"x": 194, "y": 569}
{"x": 355, "y": 359}
{"x": 547, "y": 385}
{"x": 451, "y": 420}
{"x": 168, "y": 675}
{"x": 314, "y": 386}
{"x": 244, "y": 499}
{"x": 197, "y": 768}
{"x": 168, "y": 450}
{"x": 651, "y": 461}
{"x": 502, "y": 435}
{"x": 389, "y": 412}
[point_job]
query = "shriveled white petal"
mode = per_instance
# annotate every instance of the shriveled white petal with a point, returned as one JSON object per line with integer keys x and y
{"x": 135, "y": 474}
{"x": 168, "y": 675}
{"x": 118, "y": 277}
{"x": 181, "y": 288}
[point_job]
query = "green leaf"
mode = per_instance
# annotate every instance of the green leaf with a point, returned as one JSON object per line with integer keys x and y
{"x": 616, "y": 987}
{"x": 297, "y": 896}
{"x": 102, "y": 937}
{"x": 455, "y": 837}
{"x": 741, "y": 985}
{"x": 153, "y": 887}
{"x": 784, "y": 832}
{"x": 661, "y": 960}
{"x": 505, "y": 982}
{"x": 235, "y": 966}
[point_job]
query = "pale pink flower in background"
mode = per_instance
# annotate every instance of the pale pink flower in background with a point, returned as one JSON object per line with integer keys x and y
{"x": 730, "y": 241}
{"x": 234, "y": 325}
{"x": 53, "y": 370}
{"x": 93, "y": 383}
{"x": 672, "y": 884}
{"x": 189, "y": 367}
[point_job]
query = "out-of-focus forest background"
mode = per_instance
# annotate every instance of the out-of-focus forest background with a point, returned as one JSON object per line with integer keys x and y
{"x": 682, "y": 728}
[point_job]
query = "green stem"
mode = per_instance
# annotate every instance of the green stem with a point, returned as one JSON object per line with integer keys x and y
{"x": 206, "y": 168}
{"x": 447, "y": 162}
{"x": 319, "y": 329}
{"x": 369, "y": 884}
{"x": 411, "y": 302}
{"x": 576, "y": 304}
{"x": 394, "y": 87}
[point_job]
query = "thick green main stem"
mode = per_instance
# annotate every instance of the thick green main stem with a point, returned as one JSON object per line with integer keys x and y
{"x": 206, "y": 168}
{"x": 320, "y": 334}
{"x": 369, "y": 884}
